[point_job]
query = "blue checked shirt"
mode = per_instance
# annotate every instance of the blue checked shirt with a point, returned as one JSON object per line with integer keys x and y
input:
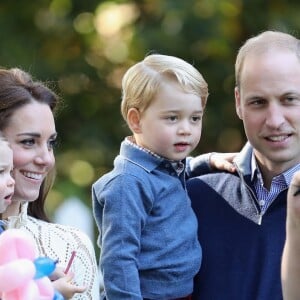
{"x": 279, "y": 183}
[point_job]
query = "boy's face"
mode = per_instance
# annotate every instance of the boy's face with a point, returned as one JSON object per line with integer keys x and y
{"x": 171, "y": 125}
{"x": 7, "y": 183}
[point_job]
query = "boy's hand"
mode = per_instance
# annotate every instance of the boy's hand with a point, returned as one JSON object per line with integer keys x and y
{"x": 222, "y": 161}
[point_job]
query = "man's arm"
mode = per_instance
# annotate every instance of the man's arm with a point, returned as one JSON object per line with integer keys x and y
{"x": 290, "y": 267}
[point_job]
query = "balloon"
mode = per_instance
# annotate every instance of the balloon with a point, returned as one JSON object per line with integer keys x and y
{"x": 14, "y": 274}
{"x": 45, "y": 288}
{"x": 27, "y": 292}
{"x": 23, "y": 275}
{"x": 44, "y": 267}
{"x": 15, "y": 243}
{"x": 58, "y": 296}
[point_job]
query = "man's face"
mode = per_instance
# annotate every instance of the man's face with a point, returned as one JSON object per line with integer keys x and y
{"x": 268, "y": 102}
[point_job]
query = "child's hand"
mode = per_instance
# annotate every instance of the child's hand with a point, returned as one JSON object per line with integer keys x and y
{"x": 63, "y": 283}
{"x": 222, "y": 161}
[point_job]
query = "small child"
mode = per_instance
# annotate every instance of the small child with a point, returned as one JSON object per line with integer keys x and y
{"x": 148, "y": 231}
{"x": 7, "y": 183}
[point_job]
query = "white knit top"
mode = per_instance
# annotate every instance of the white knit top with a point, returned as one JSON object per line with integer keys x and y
{"x": 57, "y": 241}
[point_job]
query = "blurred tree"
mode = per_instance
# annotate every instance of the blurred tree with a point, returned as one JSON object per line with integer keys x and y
{"x": 82, "y": 49}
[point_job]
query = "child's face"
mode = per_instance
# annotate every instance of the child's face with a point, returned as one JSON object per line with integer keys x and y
{"x": 171, "y": 125}
{"x": 7, "y": 183}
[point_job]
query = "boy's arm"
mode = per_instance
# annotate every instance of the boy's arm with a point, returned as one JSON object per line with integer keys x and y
{"x": 120, "y": 215}
{"x": 290, "y": 267}
{"x": 209, "y": 162}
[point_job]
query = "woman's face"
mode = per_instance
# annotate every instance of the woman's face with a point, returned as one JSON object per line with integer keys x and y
{"x": 32, "y": 135}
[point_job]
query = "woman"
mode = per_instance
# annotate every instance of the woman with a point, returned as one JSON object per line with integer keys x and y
{"x": 27, "y": 122}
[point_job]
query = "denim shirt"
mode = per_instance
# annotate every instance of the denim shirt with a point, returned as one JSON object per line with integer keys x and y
{"x": 148, "y": 230}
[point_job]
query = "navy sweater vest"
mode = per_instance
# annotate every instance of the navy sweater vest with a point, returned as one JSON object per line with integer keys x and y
{"x": 241, "y": 258}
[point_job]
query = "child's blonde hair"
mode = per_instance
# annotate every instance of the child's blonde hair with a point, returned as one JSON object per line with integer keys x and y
{"x": 142, "y": 81}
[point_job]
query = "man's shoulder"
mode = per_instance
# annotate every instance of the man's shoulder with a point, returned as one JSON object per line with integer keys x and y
{"x": 214, "y": 177}
{"x": 214, "y": 182}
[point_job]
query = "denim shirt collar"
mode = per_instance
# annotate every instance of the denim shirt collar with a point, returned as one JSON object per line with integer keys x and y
{"x": 144, "y": 157}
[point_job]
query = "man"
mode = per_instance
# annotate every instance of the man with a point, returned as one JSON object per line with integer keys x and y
{"x": 242, "y": 215}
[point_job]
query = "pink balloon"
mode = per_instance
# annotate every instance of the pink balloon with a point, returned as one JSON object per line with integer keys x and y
{"x": 15, "y": 274}
{"x": 17, "y": 269}
{"x": 15, "y": 243}
{"x": 28, "y": 291}
{"x": 45, "y": 288}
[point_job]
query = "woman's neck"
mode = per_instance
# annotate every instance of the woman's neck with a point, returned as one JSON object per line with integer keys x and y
{"x": 12, "y": 210}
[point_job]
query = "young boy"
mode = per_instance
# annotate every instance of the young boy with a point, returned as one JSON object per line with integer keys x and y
{"x": 7, "y": 183}
{"x": 148, "y": 231}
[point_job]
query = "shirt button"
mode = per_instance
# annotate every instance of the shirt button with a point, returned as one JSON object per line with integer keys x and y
{"x": 262, "y": 202}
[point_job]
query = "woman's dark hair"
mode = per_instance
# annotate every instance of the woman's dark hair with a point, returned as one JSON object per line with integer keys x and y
{"x": 36, "y": 208}
{"x": 17, "y": 88}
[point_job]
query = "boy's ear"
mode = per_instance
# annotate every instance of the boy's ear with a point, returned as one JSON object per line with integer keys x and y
{"x": 134, "y": 120}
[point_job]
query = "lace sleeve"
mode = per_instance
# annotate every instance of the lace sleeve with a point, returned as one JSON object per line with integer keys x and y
{"x": 85, "y": 266}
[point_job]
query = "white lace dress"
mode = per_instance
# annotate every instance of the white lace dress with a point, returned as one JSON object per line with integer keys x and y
{"x": 57, "y": 242}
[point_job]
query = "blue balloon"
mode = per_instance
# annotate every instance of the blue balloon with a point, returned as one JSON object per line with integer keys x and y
{"x": 58, "y": 296}
{"x": 44, "y": 266}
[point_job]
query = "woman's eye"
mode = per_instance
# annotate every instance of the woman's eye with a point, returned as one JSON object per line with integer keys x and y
{"x": 196, "y": 119}
{"x": 52, "y": 144}
{"x": 28, "y": 142}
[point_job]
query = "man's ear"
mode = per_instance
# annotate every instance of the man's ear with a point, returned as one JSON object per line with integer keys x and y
{"x": 238, "y": 102}
{"x": 134, "y": 120}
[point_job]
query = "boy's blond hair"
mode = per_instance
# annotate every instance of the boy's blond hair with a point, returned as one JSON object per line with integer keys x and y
{"x": 142, "y": 81}
{"x": 266, "y": 41}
